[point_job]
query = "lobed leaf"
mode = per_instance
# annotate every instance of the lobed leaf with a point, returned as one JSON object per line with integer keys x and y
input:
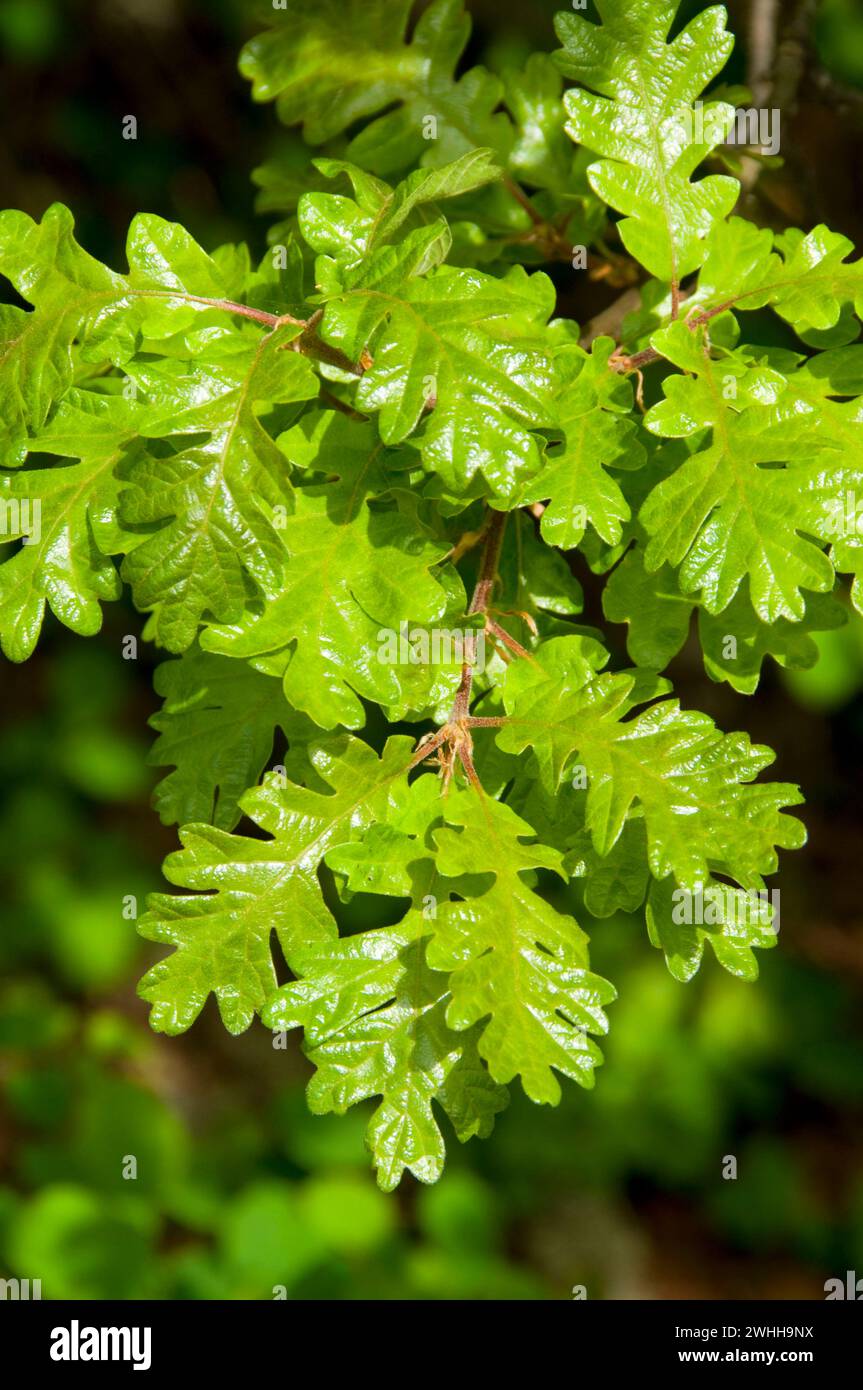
{"x": 729, "y": 513}
{"x": 216, "y": 728}
{"x": 246, "y": 889}
{"x": 694, "y": 786}
{"x": 635, "y": 107}
{"x": 356, "y": 579}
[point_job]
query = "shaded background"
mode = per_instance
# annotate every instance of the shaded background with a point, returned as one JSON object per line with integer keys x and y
{"x": 238, "y": 1187}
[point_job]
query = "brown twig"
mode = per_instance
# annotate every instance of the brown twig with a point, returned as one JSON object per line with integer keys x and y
{"x": 523, "y": 200}
{"x": 479, "y": 603}
{"x": 307, "y": 342}
{"x": 228, "y": 306}
{"x": 488, "y": 565}
{"x": 644, "y": 358}
{"x": 548, "y": 236}
{"x": 452, "y": 743}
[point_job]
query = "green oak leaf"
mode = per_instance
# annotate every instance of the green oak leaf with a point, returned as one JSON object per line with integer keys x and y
{"x": 460, "y": 354}
{"x": 65, "y": 515}
{"x": 634, "y": 107}
{"x": 679, "y": 921}
{"x": 358, "y": 575}
{"x": 246, "y": 889}
{"x": 513, "y": 958}
{"x": 510, "y": 969}
{"x": 791, "y": 645}
{"x": 374, "y": 1016}
{"x": 735, "y": 643}
{"x": 805, "y": 277}
{"x": 216, "y": 728}
{"x": 71, "y": 292}
{"x": 729, "y": 512}
{"x": 617, "y": 881}
{"x": 658, "y": 615}
{"x": 349, "y": 231}
{"x": 734, "y": 922}
{"x": 212, "y": 495}
{"x": 454, "y": 353}
{"x": 400, "y": 85}
{"x": 82, "y": 308}
{"x": 597, "y": 435}
{"x": 534, "y": 578}
{"x": 541, "y": 154}
{"x": 693, "y": 785}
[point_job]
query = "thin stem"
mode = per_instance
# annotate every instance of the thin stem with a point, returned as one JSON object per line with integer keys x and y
{"x": 549, "y": 238}
{"x": 508, "y": 640}
{"x": 311, "y": 345}
{"x": 426, "y": 746}
{"x": 465, "y": 753}
{"x": 341, "y": 406}
{"x": 479, "y": 603}
{"x": 648, "y": 355}
{"x": 521, "y": 197}
{"x": 489, "y": 563}
{"x": 246, "y": 310}
{"x": 453, "y": 742}
{"x": 230, "y": 306}
{"x": 461, "y": 704}
{"x": 308, "y": 342}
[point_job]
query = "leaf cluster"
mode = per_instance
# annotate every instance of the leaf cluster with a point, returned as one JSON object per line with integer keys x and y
{"x": 381, "y": 433}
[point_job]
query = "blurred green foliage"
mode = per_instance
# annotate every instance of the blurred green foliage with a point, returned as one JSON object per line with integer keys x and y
{"x": 240, "y": 1192}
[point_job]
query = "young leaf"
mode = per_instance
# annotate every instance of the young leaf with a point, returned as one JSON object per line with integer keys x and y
{"x": 808, "y": 283}
{"x": 734, "y": 643}
{"x": 80, "y": 302}
{"x": 514, "y": 958}
{"x": 245, "y": 889}
{"x": 658, "y": 615}
{"x": 541, "y": 154}
{"x": 374, "y": 1016}
{"x": 457, "y": 350}
{"x": 594, "y": 403}
{"x": 355, "y": 577}
{"x": 351, "y": 232}
{"x": 635, "y": 108}
{"x": 69, "y": 291}
{"x": 693, "y": 786}
{"x": 218, "y": 532}
{"x": 729, "y": 512}
{"x": 65, "y": 516}
{"x": 735, "y": 923}
{"x": 216, "y": 728}
{"x": 292, "y": 64}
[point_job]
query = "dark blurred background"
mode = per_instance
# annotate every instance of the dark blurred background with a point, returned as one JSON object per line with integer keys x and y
{"x": 238, "y": 1187}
